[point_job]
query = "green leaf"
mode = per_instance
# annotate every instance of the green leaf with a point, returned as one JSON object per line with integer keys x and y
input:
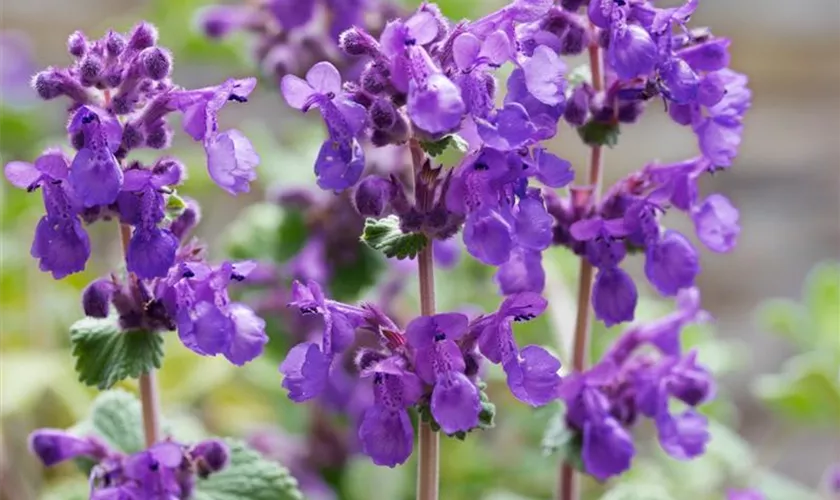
{"x": 386, "y": 236}
{"x": 568, "y": 443}
{"x": 822, "y": 299}
{"x": 248, "y": 476}
{"x": 807, "y": 389}
{"x": 599, "y": 133}
{"x": 116, "y": 417}
{"x": 106, "y": 355}
{"x": 782, "y": 317}
{"x": 437, "y": 148}
{"x": 351, "y": 279}
{"x": 291, "y": 235}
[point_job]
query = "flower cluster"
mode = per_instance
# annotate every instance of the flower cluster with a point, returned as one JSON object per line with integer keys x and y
{"x": 631, "y": 381}
{"x": 433, "y": 364}
{"x": 167, "y": 469}
{"x": 429, "y": 81}
{"x": 120, "y": 98}
{"x": 651, "y": 52}
{"x": 290, "y": 36}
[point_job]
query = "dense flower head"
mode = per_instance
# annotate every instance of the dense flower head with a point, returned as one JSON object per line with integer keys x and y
{"x": 641, "y": 375}
{"x": 120, "y": 97}
{"x": 167, "y": 469}
{"x": 432, "y": 363}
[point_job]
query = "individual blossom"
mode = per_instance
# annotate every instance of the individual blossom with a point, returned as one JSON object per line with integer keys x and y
{"x": 630, "y": 382}
{"x": 167, "y": 469}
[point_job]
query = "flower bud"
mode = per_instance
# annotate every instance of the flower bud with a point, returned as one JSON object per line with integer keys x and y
{"x": 218, "y": 21}
{"x": 577, "y": 107}
{"x": 132, "y": 136}
{"x": 169, "y": 171}
{"x": 47, "y": 84}
{"x": 372, "y": 196}
{"x": 96, "y": 298}
{"x": 209, "y": 456}
{"x": 373, "y": 79}
{"x": 357, "y": 42}
{"x": 159, "y": 137}
{"x": 77, "y": 44}
{"x": 156, "y": 63}
{"x": 114, "y": 43}
{"x": 143, "y": 36}
{"x": 576, "y": 38}
{"x": 383, "y": 115}
{"x": 53, "y": 446}
{"x": 90, "y": 69}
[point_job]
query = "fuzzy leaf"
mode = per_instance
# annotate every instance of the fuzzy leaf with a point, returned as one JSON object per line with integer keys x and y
{"x": 599, "y": 133}
{"x": 386, "y": 236}
{"x": 106, "y": 355}
{"x": 248, "y": 476}
{"x": 116, "y": 417}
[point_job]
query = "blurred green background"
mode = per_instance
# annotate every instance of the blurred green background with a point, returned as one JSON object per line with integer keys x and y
{"x": 778, "y": 415}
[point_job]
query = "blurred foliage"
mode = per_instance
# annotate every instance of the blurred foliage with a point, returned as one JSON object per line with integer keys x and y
{"x": 807, "y": 388}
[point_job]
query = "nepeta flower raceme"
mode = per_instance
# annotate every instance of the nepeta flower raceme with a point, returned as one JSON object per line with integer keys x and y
{"x": 121, "y": 95}
{"x": 606, "y": 401}
{"x": 433, "y": 364}
{"x": 165, "y": 470}
{"x": 425, "y": 79}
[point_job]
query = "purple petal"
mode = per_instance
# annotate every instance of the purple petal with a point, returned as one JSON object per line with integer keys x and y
{"x": 324, "y": 78}
{"x": 61, "y": 245}
{"x": 523, "y": 306}
{"x": 455, "y": 403}
{"x": 249, "y": 338}
{"x": 53, "y": 446}
{"x": 95, "y": 177}
{"x": 614, "y": 296}
{"x": 21, "y": 174}
{"x": 386, "y": 436}
{"x": 305, "y": 372}
{"x": 632, "y": 52}
{"x": 716, "y": 222}
{"x": 523, "y": 272}
{"x": 672, "y": 263}
{"x": 552, "y": 170}
{"x": 685, "y": 436}
{"x": 534, "y": 380}
{"x": 436, "y": 107}
{"x": 465, "y": 50}
{"x": 544, "y": 76}
{"x": 422, "y": 27}
{"x": 296, "y": 91}
{"x": 587, "y": 229}
{"x": 497, "y": 48}
{"x": 151, "y": 253}
{"x": 534, "y": 226}
{"x": 231, "y": 161}
{"x": 607, "y": 449}
{"x": 339, "y": 165}
{"x": 487, "y": 237}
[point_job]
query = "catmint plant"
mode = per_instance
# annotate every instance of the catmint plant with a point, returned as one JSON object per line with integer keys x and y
{"x": 120, "y": 99}
{"x": 430, "y": 84}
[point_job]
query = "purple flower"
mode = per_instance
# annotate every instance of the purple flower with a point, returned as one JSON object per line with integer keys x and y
{"x": 614, "y": 296}
{"x": 438, "y": 360}
{"x": 385, "y": 431}
{"x": 632, "y": 51}
{"x": 716, "y": 222}
{"x": 61, "y": 244}
{"x": 341, "y": 159}
{"x": 305, "y": 371}
{"x": 231, "y": 158}
{"x": 671, "y": 263}
{"x": 523, "y": 272}
{"x": 95, "y": 175}
{"x": 533, "y": 377}
{"x": 544, "y": 76}
{"x": 208, "y": 322}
